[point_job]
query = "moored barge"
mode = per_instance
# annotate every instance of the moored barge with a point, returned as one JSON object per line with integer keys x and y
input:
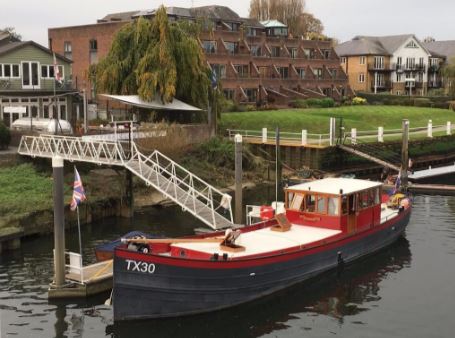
{"x": 325, "y": 223}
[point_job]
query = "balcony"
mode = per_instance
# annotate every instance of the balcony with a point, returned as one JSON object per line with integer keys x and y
{"x": 435, "y": 84}
{"x": 434, "y": 68}
{"x": 379, "y": 67}
{"x": 410, "y": 68}
{"x": 414, "y": 85}
{"x": 384, "y": 85}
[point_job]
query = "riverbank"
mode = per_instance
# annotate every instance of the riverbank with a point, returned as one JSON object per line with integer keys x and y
{"x": 315, "y": 120}
{"x": 26, "y": 202}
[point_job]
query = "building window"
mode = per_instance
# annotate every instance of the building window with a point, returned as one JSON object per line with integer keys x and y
{"x": 399, "y": 77}
{"x": 232, "y": 47}
{"x": 47, "y": 71}
{"x": 229, "y": 94}
{"x": 326, "y": 53}
{"x": 250, "y": 31}
{"x": 93, "y": 50}
{"x": 317, "y": 73}
{"x": 309, "y": 53}
{"x": 30, "y": 76}
{"x": 242, "y": 70}
{"x": 334, "y": 73}
{"x": 256, "y": 50}
{"x": 252, "y": 94}
{"x": 284, "y": 72}
{"x": 9, "y": 71}
{"x": 293, "y": 52}
{"x": 410, "y": 63}
{"x": 421, "y": 62}
{"x": 219, "y": 70}
{"x": 361, "y": 78}
{"x": 398, "y": 92}
{"x": 68, "y": 50}
{"x": 378, "y": 62}
{"x": 412, "y": 44}
{"x": 275, "y": 51}
{"x": 232, "y": 26}
{"x": 343, "y": 60}
{"x": 301, "y": 72}
{"x": 209, "y": 47}
{"x": 362, "y": 60}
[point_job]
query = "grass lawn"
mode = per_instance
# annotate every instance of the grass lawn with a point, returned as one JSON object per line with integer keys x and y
{"x": 316, "y": 120}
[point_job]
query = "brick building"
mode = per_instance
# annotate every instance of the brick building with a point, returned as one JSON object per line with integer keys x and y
{"x": 254, "y": 62}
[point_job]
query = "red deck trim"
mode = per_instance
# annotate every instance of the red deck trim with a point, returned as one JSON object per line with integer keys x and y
{"x": 246, "y": 262}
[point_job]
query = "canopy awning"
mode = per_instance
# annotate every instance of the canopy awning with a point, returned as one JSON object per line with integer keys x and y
{"x": 134, "y": 100}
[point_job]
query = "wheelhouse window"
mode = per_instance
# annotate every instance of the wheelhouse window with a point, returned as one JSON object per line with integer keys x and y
{"x": 310, "y": 203}
{"x": 333, "y": 206}
{"x": 321, "y": 204}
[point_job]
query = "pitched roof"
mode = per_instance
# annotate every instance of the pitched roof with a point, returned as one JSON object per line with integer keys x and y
{"x": 272, "y": 23}
{"x": 373, "y": 45}
{"x": 17, "y": 45}
{"x": 121, "y": 16}
{"x": 215, "y": 12}
{"x": 441, "y": 48}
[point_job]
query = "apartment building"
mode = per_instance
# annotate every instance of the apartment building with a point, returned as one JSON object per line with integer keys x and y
{"x": 254, "y": 62}
{"x": 397, "y": 64}
{"x": 442, "y": 52}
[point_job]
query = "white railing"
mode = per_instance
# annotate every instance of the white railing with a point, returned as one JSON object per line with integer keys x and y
{"x": 264, "y": 135}
{"x": 176, "y": 178}
{"x": 73, "y": 149}
{"x": 189, "y": 191}
{"x": 75, "y": 265}
{"x": 304, "y": 138}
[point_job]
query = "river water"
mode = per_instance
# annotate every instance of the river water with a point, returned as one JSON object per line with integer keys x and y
{"x": 406, "y": 290}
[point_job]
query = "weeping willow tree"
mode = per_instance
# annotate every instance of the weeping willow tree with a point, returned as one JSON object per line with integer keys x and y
{"x": 153, "y": 58}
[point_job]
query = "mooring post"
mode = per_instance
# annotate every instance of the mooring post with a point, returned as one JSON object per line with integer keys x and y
{"x": 380, "y": 134}
{"x": 264, "y": 135}
{"x": 277, "y": 162}
{"x": 430, "y": 129}
{"x": 238, "y": 179}
{"x": 59, "y": 222}
{"x": 405, "y": 154}
{"x": 449, "y": 128}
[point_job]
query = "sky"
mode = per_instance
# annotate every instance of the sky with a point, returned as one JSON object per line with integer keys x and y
{"x": 342, "y": 19}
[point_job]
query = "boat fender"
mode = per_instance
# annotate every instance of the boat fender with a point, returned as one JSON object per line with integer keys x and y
{"x": 340, "y": 258}
{"x": 225, "y": 257}
{"x": 215, "y": 256}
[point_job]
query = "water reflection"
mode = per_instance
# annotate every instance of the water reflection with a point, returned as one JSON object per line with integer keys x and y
{"x": 337, "y": 295}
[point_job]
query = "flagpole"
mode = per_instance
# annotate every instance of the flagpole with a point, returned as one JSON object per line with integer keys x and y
{"x": 79, "y": 230}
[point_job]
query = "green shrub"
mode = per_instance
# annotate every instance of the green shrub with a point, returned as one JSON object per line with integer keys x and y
{"x": 313, "y": 103}
{"x": 327, "y": 102}
{"x": 441, "y": 105}
{"x": 422, "y": 102}
{"x": 250, "y": 107}
{"x": 226, "y": 105}
{"x": 299, "y": 103}
{"x": 357, "y": 101}
{"x": 5, "y": 136}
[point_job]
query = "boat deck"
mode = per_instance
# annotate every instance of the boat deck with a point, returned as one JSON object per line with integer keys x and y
{"x": 266, "y": 240}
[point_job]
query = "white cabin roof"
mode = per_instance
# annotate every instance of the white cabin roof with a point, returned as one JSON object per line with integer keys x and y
{"x": 334, "y": 185}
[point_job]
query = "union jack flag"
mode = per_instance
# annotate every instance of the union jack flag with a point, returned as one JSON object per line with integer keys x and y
{"x": 78, "y": 191}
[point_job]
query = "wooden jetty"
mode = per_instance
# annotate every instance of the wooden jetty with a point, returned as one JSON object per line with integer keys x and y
{"x": 432, "y": 172}
{"x": 83, "y": 281}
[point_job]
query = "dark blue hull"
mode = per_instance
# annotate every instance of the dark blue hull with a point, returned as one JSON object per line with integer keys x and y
{"x": 160, "y": 288}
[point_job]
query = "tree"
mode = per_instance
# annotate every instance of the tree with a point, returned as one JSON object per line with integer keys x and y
{"x": 12, "y": 32}
{"x": 156, "y": 58}
{"x": 448, "y": 72}
{"x": 290, "y": 12}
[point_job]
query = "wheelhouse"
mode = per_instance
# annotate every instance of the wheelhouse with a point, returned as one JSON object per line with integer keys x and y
{"x": 335, "y": 203}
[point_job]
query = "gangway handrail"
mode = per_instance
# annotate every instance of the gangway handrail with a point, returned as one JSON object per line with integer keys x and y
{"x": 211, "y": 191}
{"x": 191, "y": 192}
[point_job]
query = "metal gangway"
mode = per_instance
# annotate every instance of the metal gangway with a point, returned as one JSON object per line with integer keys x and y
{"x": 193, "y": 194}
